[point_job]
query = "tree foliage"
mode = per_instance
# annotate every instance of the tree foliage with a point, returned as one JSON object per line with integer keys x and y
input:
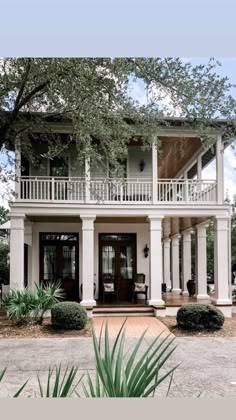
{"x": 95, "y": 94}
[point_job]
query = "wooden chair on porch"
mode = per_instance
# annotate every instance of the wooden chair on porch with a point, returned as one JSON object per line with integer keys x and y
{"x": 109, "y": 286}
{"x": 139, "y": 287}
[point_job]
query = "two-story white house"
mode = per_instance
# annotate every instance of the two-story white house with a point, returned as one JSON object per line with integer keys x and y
{"x": 80, "y": 225}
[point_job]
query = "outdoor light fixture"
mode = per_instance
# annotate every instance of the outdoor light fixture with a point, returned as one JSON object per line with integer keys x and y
{"x": 146, "y": 251}
{"x": 141, "y": 165}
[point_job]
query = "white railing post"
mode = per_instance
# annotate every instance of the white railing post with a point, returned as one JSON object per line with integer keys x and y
{"x": 53, "y": 189}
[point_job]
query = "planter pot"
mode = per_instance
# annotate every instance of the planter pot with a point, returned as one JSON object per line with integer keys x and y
{"x": 163, "y": 287}
{"x": 191, "y": 286}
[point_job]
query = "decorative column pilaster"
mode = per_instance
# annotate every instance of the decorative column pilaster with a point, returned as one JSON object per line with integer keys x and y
{"x": 87, "y": 179}
{"x": 88, "y": 260}
{"x": 166, "y": 263}
{"x": 154, "y": 171}
{"x": 222, "y": 269}
{"x": 201, "y": 262}
{"x": 156, "y": 260}
{"x": 17, "y": 168}
{"x": 17, "y": 252}
{"x": 175, "y": 264}
{"x": 186, "y": 260}
{"x": 220, "y": 169}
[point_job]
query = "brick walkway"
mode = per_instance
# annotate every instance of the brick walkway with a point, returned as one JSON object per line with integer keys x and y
{"x": 134, "y": 326}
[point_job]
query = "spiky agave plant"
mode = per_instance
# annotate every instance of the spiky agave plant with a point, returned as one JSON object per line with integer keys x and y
{"x": 135, "y": 378}
{"x": 59, "y": 384}
{"x": 17, "y": 394}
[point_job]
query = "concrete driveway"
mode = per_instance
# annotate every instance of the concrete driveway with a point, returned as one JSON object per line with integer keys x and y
{"x": 208, "y": 365}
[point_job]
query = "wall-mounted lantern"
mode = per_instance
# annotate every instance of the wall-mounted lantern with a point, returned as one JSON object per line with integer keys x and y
{"x": 146, "y": 251}
{"x": 142, "y": 165}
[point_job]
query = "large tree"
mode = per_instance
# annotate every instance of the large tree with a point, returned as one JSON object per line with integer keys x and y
{"x": 95, "y": 94}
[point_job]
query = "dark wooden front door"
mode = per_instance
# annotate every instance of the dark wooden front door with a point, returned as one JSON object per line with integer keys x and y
{"x": 118, "y": 257}
{"x": 59, "y": 261}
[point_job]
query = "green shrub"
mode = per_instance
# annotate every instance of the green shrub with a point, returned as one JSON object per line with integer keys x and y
{"x": 199, "y": 317}
{"x": 31, "y": 304}
{"x": 69, "y": 316}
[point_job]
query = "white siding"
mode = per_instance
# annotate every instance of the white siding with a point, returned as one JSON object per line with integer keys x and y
{"x": 136, "y": 155}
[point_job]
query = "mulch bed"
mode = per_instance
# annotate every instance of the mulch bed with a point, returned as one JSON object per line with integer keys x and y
{"x": 10, "y": 330}
{"x": 228, "y": 329}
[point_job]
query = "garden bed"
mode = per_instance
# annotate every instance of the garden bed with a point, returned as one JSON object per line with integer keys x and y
{"x": 10, "y": 330}
{"x": 228, "y": 329}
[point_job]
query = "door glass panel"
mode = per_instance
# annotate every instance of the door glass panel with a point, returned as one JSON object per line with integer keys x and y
{"x": 108, "y": 259}
{"x": 68, "y": 262}
{"x": 126, "y": 261}
{"x": 49, "y": 262}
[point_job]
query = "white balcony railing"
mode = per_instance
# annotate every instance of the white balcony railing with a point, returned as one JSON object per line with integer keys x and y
{"x": 116, "y": 191}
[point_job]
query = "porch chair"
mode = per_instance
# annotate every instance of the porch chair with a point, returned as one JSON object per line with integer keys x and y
{"x": 139, "y": 287}
{"x": 109, "y": 286}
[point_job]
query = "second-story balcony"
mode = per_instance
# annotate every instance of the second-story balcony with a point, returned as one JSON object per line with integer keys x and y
{"x": 116, "y": 191}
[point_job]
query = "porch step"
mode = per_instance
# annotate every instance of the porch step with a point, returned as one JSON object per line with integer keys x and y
{"x": 123, "y": 311}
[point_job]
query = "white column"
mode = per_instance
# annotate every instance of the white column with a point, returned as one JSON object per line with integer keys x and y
{"x": 156, "y": 261}
{"x": 88, "y": 260}
{"x": 199, "y": 168}
{"x": 201, "y": 262}
{"x": 17, "y": 252}
{"x": 87, "y": 179}
{"x": 154, "y": 171}
{"x": 186, "y": 261}
{"x": 175, "y": 264}
{"x": 220, "y": 170}
{"x": 222, "y": 269}
{"x": 166, "y": 261}
{"x": 17, "y": 167}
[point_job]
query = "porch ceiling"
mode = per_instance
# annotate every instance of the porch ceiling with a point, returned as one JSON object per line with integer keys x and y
{"x": 175, "y": 153}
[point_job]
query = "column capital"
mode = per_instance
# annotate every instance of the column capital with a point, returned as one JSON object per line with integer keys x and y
{"x": 166, "y": 240}
{"x": 17, "y": 222}
{"x": 175, "y": 236}
{"x": 88, "y": 222}
{"x": 155, "y": 218}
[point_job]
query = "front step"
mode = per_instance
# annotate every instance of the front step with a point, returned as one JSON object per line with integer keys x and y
{"x": 123, "y": 311}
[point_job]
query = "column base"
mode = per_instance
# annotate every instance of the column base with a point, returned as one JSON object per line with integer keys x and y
{"x": 156, "y": 302}
{"x": 202, "y": 297}
{"x": 88, "y": 303}
{"x": 176, "y": 291}
{"x": 185, "y": 293}
{"x": 222, "y": 302}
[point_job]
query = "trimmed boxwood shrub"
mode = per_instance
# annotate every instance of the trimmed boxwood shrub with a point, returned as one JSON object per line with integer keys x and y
{"x": 199, "y": 317}
{"x": 68, "y": 316}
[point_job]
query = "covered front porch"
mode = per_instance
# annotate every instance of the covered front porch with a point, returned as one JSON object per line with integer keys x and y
{"x": 81, "y": 250}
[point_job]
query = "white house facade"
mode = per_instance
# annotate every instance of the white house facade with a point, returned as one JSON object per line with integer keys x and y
{"x": 79, "y": 225}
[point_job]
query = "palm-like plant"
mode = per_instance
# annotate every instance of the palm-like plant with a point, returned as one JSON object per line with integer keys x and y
{"x": 19, "y": 304}
{"x": 135, "y": 378}
{"x": 47, "y": 295}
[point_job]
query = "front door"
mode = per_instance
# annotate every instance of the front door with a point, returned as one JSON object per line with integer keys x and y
{"x": 118, "y": 258}
{"x": 59, "y": 261}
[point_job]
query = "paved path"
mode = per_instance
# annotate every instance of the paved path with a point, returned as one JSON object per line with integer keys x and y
{"x": 134, "y": 326}
{"x": 208, "y": 365}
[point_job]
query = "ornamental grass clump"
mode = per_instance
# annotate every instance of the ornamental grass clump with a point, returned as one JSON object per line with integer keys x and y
{"x": 69, "y": 316}
{"x": 138, "y": 377}
{"x": 199, "y": 317}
